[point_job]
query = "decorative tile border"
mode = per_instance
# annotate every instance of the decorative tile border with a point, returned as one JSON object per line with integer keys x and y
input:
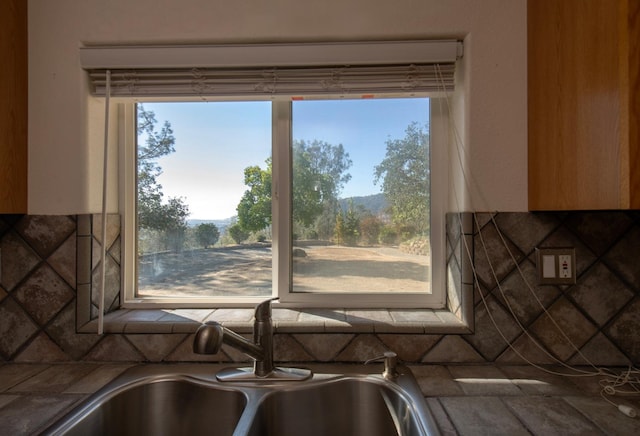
{"x": 296, "y": 321}
{"x": 38, "y": 298}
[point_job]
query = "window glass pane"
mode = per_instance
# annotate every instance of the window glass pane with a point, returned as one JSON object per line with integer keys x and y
{"x": 199, "y": 164}
{"x": 361, "y": 195}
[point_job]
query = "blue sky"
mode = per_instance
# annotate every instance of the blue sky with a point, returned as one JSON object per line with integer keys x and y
{"x": 216, "y": 141}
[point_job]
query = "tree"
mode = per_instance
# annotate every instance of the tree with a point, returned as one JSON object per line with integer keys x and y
{"x": 339, "y": 229}
{"x": 319, "y": 173}
{"x": 207, "y": 234}
{"x": 168, "y": 218}
{"x": 323, "y": 227}
{"x": 351, "y": 226}
{"x": 370, "y": 227}
{"x": 405, "y": 180}
{"x": 155, "y": 145}
{"x": 173, "y": 223}
{"x": 237, "y": 233}
{"x": 254, "y": 209}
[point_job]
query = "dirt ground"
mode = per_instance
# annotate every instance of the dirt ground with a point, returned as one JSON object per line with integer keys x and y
{"x": 246, "y": 270}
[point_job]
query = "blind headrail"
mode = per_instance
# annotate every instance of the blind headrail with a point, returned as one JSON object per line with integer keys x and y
{"x": 270, "y": 55}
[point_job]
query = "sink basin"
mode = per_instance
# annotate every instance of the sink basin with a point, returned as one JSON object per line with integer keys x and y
{"x": 344, "y": 406}
{"x": 188, "y": 400}
{"x": 159, "y": 406}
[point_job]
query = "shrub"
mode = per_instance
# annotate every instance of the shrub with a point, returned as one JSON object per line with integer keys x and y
{"x": 370, "y": 227}
{"x": 238, "y": 234}
{"x": 388, "y": 235}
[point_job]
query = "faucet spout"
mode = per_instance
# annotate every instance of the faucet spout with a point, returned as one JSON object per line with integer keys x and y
{"x": 263, "y": 338}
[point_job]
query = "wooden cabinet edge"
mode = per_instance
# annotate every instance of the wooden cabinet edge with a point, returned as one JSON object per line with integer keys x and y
{"x": 634, "y": 102}
{"x": 13, "y": 114}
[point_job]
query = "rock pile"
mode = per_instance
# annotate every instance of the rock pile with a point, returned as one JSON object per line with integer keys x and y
{"x": 419, "y": 246}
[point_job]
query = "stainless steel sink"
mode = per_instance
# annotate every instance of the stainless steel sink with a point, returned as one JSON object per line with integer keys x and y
{"x": 189, "y": 400}
{"x": 172, "y": 405}
{"x": 343, "y": 406}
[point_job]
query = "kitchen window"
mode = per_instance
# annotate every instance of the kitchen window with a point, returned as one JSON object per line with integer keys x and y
{"x": 322, "y": 199}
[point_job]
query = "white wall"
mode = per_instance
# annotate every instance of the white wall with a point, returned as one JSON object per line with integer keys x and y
{"x": 65, "y": 156}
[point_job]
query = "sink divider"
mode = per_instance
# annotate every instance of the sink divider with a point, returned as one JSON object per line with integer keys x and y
{"x": 255, "y": 396}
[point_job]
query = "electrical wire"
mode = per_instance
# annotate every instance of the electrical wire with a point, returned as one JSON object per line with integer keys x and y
{"x": 611, "y": 383}
{"x": 103, "y": 233}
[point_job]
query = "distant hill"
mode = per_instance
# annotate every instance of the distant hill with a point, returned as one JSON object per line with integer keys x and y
{"x": 220, "y": 224}
{"x": 376, "y": 204}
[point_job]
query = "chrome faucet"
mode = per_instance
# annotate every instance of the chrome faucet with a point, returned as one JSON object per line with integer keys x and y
{"x": 211, "y": 335}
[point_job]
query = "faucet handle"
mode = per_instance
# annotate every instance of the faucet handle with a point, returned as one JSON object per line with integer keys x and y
{"x": 208, "y": 338}
{"x": 263, "y": 310}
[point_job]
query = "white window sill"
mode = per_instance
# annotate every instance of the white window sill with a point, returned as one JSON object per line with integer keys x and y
{"x": 403, "y": 321}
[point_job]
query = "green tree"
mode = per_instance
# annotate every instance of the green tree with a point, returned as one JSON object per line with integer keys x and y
{"x": 237, "y": 233}
{"x": 339, "y": 229}
{"x": 174, "y": 223}
{"x": 388, "y": 235}
{"x": 351, "y": 226}
{"x": 154, "y": 145}
{"x": 323, "y": 227}
{"x": 254, "y": 209}
{"x": 207, "y": 234}
{"x": 168, "y": 218}
{"x": 319, "y": 173}
{"x": 405, "y": 180}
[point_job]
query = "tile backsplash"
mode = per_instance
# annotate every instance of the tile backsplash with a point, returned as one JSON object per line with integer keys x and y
{"x": 45, "y": 260}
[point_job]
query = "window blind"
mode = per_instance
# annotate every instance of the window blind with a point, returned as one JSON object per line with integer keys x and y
{"x": 272, "y": 70}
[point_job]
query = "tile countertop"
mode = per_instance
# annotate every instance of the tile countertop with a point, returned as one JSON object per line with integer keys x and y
{"x": 464, "y": 399}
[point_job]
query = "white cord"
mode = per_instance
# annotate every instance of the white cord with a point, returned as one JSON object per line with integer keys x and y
{"x": 105, "y": 168}
{"x": 611, "y": 383}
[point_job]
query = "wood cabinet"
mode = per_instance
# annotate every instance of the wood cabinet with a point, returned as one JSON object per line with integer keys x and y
{"x": 584, "y": 104}
{"x": 13, "y": 106}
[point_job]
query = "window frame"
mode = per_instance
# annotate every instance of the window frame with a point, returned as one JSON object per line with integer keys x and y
{"x": 281, "y": 207}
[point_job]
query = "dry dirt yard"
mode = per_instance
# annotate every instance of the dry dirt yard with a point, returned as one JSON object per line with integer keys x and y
{"x": 367, "y": 269}
{"x": 246, "y": 270}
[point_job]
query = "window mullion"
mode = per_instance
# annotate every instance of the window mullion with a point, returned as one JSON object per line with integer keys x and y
{"x": 281, "y": 198}
{"x": 128, "y": 164}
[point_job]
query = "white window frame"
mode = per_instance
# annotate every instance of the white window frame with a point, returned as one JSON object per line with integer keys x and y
{"x": 281, "y": 244}
{"x": 265, "y": 55}
{"x": 282, "y": 231}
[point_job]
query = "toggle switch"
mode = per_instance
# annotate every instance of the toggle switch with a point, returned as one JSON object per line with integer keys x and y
{"x": 548, "y": 266}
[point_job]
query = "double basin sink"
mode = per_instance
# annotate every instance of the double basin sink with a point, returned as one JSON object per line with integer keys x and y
{"x": 188, "y": 399}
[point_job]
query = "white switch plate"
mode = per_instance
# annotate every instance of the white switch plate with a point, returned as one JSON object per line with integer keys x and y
{"x": 548, "y": 266}
{"x": 556, "y": 266}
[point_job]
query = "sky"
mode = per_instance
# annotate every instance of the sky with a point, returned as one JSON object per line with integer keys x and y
{"x": 216, "y": 141}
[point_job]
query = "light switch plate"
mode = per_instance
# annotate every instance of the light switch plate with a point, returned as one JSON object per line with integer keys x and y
{"x": 556, "y": 266}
